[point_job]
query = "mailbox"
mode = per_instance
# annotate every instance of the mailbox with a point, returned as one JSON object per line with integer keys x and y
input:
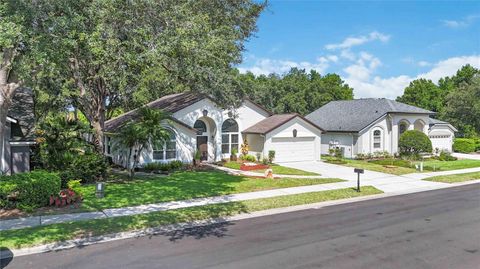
{"x": 358, "y": 171}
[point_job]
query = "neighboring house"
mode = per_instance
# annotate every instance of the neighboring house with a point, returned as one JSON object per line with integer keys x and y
{"x": 370, "y": 125}
{"x": 19, "y": 135}
{"x": 198, "y": 123}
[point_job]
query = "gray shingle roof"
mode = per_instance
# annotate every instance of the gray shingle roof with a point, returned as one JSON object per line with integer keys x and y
{"x": 169, "y": 103}
{"x": 22, "y": 110}
{"x": 354, "y": 115}
{"x": 432, "y": 121}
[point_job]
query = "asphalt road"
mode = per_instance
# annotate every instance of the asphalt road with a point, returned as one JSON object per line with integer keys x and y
{"x": 436, "y": 229}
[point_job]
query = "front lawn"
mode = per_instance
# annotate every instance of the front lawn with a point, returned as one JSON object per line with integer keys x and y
{"x": 398, "y": 167}
{"x": 276, "y": 169}
{"x": 455, "y": 178}
{"x": 183, "y": 186}
{"x": 64, "y": 231}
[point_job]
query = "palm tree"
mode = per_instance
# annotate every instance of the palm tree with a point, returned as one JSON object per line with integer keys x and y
{"x": 148, "y": 128}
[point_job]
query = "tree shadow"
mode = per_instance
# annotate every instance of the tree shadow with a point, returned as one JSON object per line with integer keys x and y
{"x": 6, "y": 256}
{"x": 218, "y": 229}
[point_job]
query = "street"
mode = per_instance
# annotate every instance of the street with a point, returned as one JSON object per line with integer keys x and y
{"x": 434, "y": 229}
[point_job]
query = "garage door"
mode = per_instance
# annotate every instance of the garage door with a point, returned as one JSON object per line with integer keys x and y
{"x": 441, "y": 141}
{"x": 294, "y": 149}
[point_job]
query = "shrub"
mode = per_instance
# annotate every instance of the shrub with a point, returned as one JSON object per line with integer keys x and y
{"x": 64, "y": 197}
{"x": 446, "y": 156}
{"x": 264, "y": 160}
{"x": 248, "y": 158}
{"x": 76, "y": 186}
{"x": 157, "y": 166}
{"x": 271, "y": 156}
{"x": 176, "y": 165}
{"x": 88, "y": 168}
{"x": 464, "y": 145}
{"x": 414, "y": 142}
{"x": 259, "y": 156}
{"x": 28, "y": 191}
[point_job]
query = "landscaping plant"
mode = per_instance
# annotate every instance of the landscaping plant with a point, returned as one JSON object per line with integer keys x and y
{"x": 271, "y": 156}
{"x": 414, "y": 142}
{"x": 28, "y": 191}
{"x": 464, "y": 145}
{"x": 244, "y": 147}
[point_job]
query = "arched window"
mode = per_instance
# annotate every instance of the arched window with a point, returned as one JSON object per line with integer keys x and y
{"x": 229, "y": 136}
{"x": 200, "y": 126}
{"x": 402, "y": 128}
{"x": 377, "y": 139}
{"x": 165, "y": 150}
{"x": 418, "y": 125}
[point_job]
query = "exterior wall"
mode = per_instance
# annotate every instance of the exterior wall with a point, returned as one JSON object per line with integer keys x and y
{"x": 303, "y": 128}
{"x": 410, "y": 118}
{"x": 442, "y": 137}
{"x": 256, "y": 144}
{"x": 20, "y": 158}
{"x": 245, "y": 116}
{"x": 341, "y": 140}
{"x": 365, "y": 137}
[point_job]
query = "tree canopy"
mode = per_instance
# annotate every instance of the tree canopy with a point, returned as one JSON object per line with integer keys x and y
{"x": 456, "y": 99}
{"x": 296, "y": 91}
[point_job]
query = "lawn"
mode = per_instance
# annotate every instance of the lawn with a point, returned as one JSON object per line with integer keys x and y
{"x": 184, "y": 185}
{"x": 455, "y": 178}
{"x": 429, "y": 166}
{"x": 276, "y": 169}
{"x": 65, "y": 231}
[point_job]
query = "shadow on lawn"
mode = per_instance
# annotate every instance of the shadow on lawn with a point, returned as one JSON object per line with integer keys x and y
{"x": 177, "y": 186}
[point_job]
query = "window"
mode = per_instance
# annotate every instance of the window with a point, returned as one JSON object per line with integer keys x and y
{"x": 377, "y": 139}
{"x": 229, "y": 136}
{"x": 402, "y": 128}
{"x": 294, "y": 132}
{"x": 165, "y": 150}
{"x": 200, "y": 126}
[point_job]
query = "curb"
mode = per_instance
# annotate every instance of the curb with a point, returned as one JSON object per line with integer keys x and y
{"x": 178, "y": 226}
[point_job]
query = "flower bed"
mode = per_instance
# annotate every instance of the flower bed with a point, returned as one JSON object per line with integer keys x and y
{"x": 253, "y": 166}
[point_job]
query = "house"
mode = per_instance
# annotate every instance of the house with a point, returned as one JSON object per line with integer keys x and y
{"x": 198, "y": 123}
{"x": 370, "y": 125}
{"x": 19, "y": 135}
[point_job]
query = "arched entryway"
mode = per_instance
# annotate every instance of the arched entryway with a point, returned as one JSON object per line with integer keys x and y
{"x": 419, "y": 125}
{"x": 206, "y": 129}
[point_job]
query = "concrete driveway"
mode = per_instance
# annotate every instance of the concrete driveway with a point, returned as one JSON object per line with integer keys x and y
{"x": 388, "y": 183}
{"x": 472, "y": 156}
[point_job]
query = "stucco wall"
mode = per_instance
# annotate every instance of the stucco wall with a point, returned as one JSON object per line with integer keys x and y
{"x": 341, "y": 140}
{"x": 438, "y": 133}
{"x": 303, "y": 128}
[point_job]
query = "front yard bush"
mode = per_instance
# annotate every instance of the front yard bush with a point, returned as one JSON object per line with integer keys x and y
{"x": 28, "y": 191}
{"x": 248, "y": 158}
{"x": 464, "y": 145}
{"x": 414, "y": 142}
{"x": 164, "y": 167}
{"x": 88, "y": 168}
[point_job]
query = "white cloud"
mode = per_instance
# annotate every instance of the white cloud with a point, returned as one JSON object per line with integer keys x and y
{"x": 468, "y": 20}
{"x": 365, "y": 86}
{"x": 423, "y": 63}
{"x": 267, "y": 66}
{"x": 358, "y": 40}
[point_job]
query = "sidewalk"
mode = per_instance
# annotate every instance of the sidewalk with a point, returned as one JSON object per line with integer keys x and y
{"x": 389, "y": 184}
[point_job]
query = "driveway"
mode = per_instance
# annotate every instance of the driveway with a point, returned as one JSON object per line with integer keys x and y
{"x": 388, "y": 183}
{"x": 472, "y": 156}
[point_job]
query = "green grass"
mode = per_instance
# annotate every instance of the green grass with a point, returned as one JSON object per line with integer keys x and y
{"x": 429, "y": 166}
{"x": 452, "y": 165}
{"x": 183, "y": 186}
{"x": 276, "y": 169}
{"x": 65, "y": 231}
{"x": 396, "y": 170}
{"x": 455, "y": 178}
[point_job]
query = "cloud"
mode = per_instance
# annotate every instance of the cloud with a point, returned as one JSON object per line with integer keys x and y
{"x": 359, "y": 40}
{"x": 267, "y": 66}
{"x": 360, "y": 77}
{"x": 465, "y": 22}
{"x": 412, "y": 61}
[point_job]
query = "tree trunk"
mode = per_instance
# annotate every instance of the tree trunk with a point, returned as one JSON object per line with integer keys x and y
{"x": 4, "y": 105}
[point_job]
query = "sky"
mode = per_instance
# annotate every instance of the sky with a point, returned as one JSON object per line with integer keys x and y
{"x": 377, "y": 47}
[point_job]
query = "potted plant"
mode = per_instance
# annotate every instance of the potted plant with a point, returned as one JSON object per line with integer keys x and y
{"x": 196, "y": 158}
{"x": 233, "y": 155}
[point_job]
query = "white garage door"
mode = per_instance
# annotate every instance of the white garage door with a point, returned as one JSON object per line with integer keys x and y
{"x": 441, "y": 141}
{"x": 294, "y": 149}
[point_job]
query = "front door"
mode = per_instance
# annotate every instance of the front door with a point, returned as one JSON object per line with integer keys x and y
{"x": 202, "y": 147}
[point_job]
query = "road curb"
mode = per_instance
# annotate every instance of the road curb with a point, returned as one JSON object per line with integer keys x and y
{"x": 4, "y": 254}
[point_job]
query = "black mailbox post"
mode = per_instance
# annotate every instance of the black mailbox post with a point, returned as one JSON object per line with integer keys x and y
{"x": 358, "y": 171}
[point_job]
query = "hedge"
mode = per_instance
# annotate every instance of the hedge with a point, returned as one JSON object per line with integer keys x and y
{"x": 464, "y": 145}
{"x": 28, "y": 191}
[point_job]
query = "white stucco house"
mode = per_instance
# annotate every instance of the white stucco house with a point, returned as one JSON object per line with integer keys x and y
{"x": 370, "y": 125}
{"x": 198, "y": 123}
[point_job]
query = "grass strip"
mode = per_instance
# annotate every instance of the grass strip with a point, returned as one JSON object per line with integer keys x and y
{"x": 276, "y": 169}
{"x": 64, "y": 231}
{"x": 455, "y": 178}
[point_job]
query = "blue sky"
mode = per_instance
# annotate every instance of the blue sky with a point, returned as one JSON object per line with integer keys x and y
{"x": 377, "y": 47}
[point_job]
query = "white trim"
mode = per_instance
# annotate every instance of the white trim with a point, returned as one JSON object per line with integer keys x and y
{"x": 11, "y": 120}
{"x": 22, "y": 143}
